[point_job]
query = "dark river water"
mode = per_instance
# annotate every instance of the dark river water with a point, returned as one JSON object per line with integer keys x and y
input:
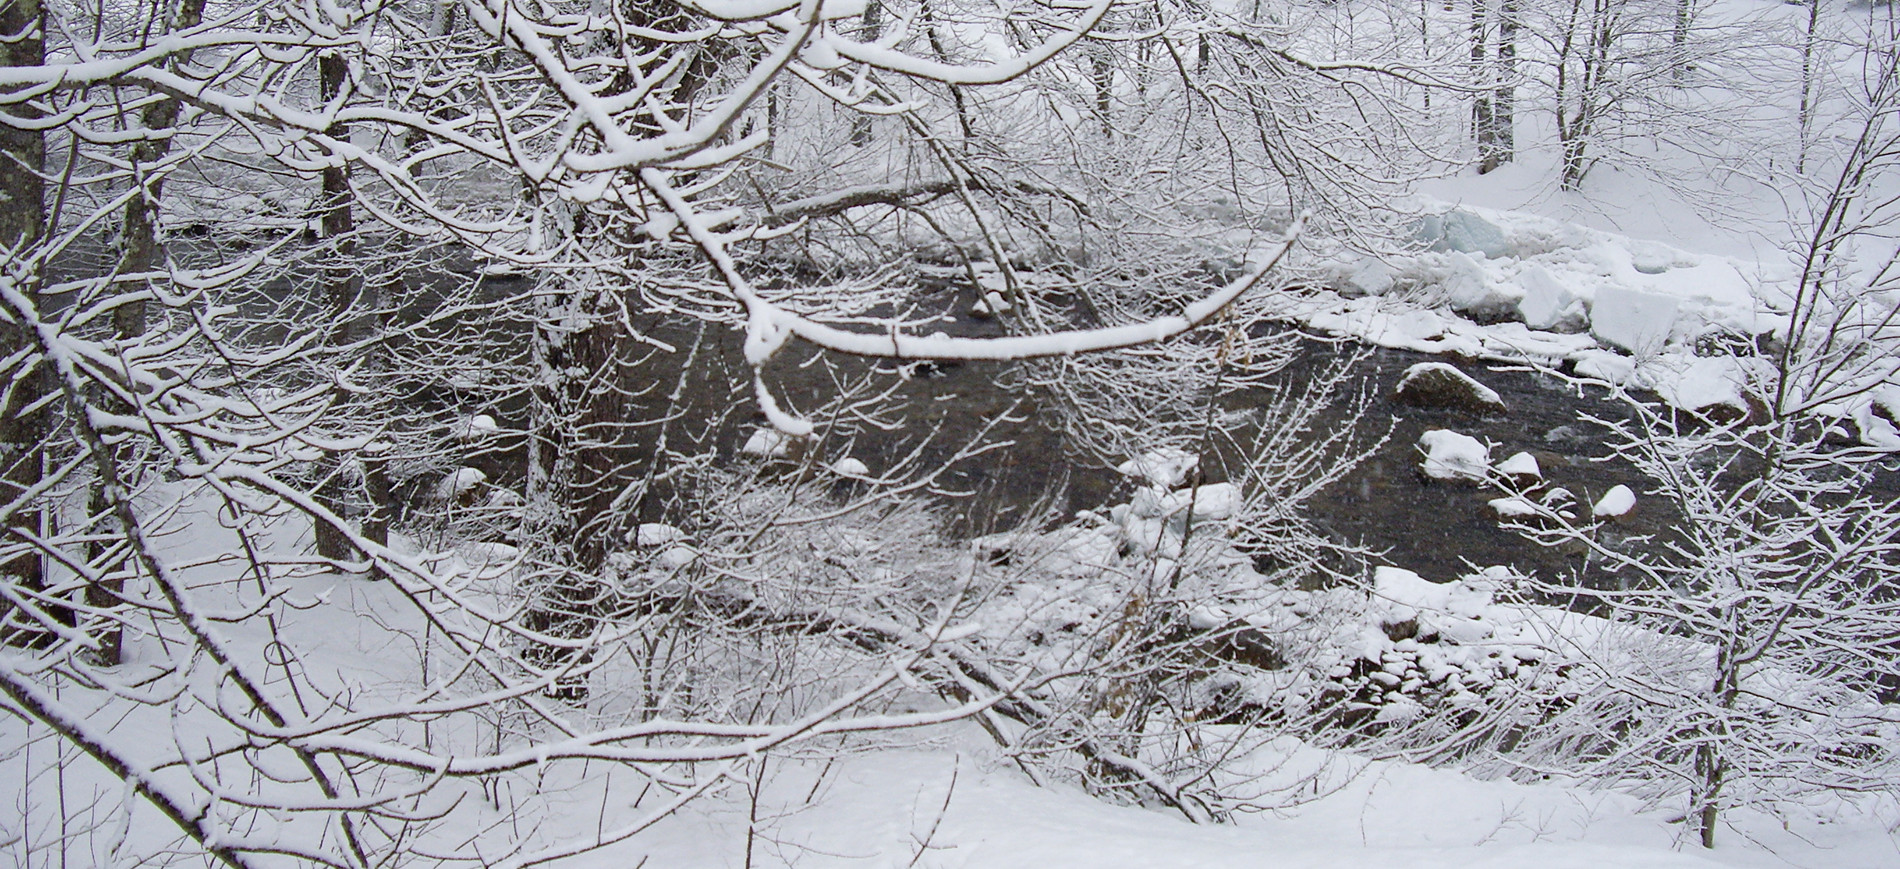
{"x": 1033, "y": 469}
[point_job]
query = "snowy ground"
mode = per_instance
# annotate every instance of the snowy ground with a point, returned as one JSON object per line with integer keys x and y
{"x": 944, "y": 808}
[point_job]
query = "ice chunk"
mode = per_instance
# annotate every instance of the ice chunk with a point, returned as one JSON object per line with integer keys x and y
{"x": 1616, "y": 502}
{"x": 1453, "y": 456}
{"x": 1470, "y": 291}
{"x": 1370, "y": 278}
{"x": 1464, "y": 232}
{"x": 1549, "y": 305}
{"x": 1706, "y": 383}
{"x": 1636, "y": 321}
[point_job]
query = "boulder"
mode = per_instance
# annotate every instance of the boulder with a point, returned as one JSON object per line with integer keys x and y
{"x": 1632, "y": 320}
{"x": 1440, "y": 385}
{"x": 1549, "y": 305}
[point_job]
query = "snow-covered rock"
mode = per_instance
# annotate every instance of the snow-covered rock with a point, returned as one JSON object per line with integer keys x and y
{"x": 849, "y": 467}
{"x": 1549, "y": 305}
{"x": 1633, "y": 320}
{"x": 1617, "y": 502}
{"x": 457, "y": 482}
{"x": 1452, "y": 609}
{"x": 990, "y": 305}
{"x": 1213, "y": 500}
{"x": 1438, "y": 384}
{"x": 1513, "y": 507}
{"x": 1453, "y": 456}
{"x": 656, "y": 534}
{"x": 479, "y": 426}
{"x": 676, "y": 557}
{"x": 1166, "y": 467}
{"x": 768, "y": 443}
{"x": 1521, "y": 466}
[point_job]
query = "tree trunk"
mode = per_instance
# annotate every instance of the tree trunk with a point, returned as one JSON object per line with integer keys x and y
{"x": 1711, "y": 763}
{"x": 139, "y": 253}
{"x": 873, "y": 27}
{"x": 1504, "y": 100}
{"x": 1810, "y": 45}
{"x": 343, "y": 288}
{"x": 23, "y": 426}
{"x": 1483, "y": 118}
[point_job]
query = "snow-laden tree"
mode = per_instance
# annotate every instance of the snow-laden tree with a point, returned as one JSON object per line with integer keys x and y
{"x": 1749, "y": 659}
{"x": 331, "y": 539}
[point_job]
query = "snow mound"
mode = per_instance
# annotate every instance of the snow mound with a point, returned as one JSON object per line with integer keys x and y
{"x": 849, "y": 467}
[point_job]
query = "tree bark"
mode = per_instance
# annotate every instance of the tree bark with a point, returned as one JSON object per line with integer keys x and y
{"x": 23, "y": 424}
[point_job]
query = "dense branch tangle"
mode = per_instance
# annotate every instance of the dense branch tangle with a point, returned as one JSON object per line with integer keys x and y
{"x": 266, "y": 370}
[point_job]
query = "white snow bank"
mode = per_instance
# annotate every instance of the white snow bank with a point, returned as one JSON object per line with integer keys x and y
{"x": 965, "y": 808}
{"x": 1624, "y": 310}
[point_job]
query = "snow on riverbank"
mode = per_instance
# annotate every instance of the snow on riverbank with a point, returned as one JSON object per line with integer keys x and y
{"x": 1515, "y": 287}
